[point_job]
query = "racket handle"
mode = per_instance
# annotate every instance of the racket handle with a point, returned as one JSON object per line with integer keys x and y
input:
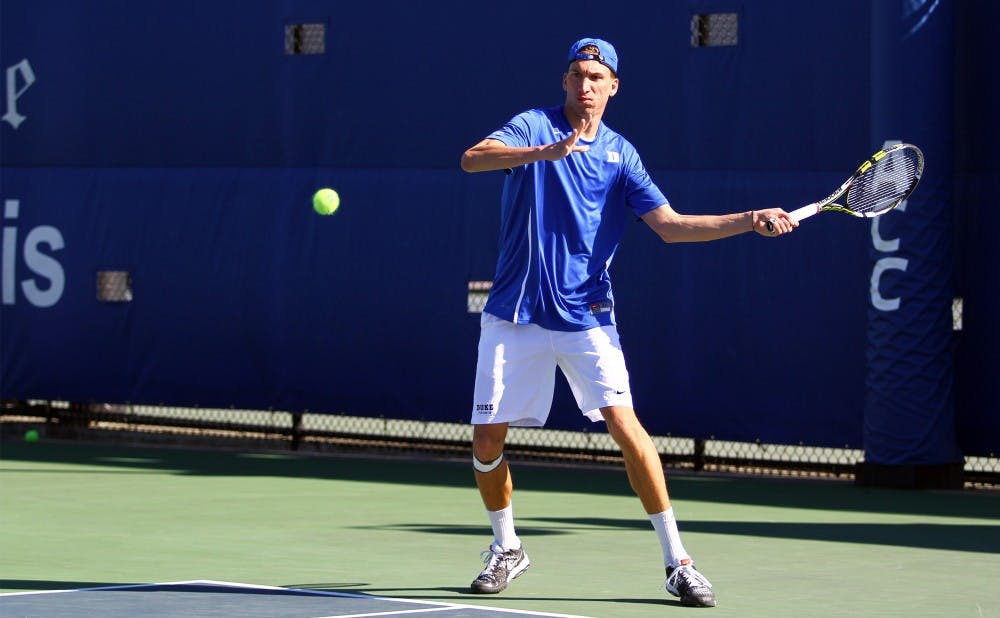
{"x": 799, "y": 214}
{"x": 804, "y": 212}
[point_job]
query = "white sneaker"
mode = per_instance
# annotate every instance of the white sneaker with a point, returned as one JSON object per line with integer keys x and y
{"x": 501, "y": 568}
{"x": 692, "y": 587}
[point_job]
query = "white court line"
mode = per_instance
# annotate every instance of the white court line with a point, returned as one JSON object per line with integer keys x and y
{"x": 441, "y": 606}
{"x": 393, "y": 613}
{"x": 117, "y": 587}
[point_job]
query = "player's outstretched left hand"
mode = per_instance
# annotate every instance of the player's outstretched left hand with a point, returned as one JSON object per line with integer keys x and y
{"x": 564, "y": 147}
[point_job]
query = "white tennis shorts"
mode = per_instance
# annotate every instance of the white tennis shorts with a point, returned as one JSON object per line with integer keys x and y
{"x": 516, "y": 371}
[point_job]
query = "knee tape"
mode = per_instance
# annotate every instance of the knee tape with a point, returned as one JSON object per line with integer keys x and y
{"x": 485, "y": 467}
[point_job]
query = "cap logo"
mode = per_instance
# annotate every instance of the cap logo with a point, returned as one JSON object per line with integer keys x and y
{"x": 597, "y": 57}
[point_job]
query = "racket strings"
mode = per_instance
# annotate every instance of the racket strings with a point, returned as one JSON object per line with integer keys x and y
{"x": 885, "y": 183}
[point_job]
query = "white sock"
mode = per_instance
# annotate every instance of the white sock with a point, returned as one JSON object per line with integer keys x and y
{"x": 670, "y": 539}
{"x": 503, "y": 528}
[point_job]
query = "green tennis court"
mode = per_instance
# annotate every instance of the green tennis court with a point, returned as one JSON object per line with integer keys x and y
{"x": 76, "y": 516}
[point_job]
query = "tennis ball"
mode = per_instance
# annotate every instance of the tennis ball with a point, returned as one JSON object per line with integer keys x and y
{"x": 31, "y": 435}
{"x": 326, "y": 201}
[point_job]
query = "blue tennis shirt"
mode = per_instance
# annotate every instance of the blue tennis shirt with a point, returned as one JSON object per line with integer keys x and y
{"x": 561, "y": 223}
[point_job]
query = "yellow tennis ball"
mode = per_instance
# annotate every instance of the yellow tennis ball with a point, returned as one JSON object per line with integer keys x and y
{"x": 326, "y": 201}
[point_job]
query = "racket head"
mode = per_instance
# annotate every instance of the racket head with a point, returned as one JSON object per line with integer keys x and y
{"x": 882, "y": 182}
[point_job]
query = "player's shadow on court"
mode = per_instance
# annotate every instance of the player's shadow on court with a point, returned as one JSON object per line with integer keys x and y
{"x": 466, "y": 530}
{"x": 979, "y": 538}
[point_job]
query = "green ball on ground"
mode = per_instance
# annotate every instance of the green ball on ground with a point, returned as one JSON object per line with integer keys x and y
{"x": 326, "y": 201}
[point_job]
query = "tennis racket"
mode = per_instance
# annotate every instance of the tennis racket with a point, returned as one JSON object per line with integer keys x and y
{"x": 881, "y": 183}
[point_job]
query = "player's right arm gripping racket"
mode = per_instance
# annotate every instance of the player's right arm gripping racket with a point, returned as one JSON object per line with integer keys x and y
{"x": 881, "y": 183}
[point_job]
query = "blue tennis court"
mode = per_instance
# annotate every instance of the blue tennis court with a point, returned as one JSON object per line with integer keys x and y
{"x": 212, "y": 598}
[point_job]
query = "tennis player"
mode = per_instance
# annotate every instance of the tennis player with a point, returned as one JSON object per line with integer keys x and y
{"x": 572, "y": 185}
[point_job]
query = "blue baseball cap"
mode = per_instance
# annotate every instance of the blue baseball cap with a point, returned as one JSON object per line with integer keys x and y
{"x": 606, "y": 53}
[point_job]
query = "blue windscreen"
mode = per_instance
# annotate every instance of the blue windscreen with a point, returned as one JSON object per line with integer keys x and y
{"x": 179, "y": 142}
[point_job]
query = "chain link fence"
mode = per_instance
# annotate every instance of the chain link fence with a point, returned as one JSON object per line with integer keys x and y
{"x": 342, "y": 433}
